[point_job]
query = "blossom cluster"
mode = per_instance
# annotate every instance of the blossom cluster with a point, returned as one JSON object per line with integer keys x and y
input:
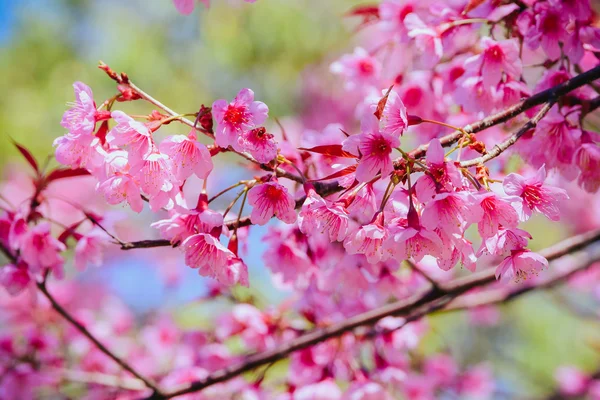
{"x": 362, "y": 208}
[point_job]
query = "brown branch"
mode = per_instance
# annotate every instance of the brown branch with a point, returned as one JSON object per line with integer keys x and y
{"x": 501, "y": 147}
{"x": 327, "y": 188}
{"x": 84, "y": 331}
{"x": 411, "y": 308}
{"x": 511, "y": 112}
{"x": 123, "y": 79}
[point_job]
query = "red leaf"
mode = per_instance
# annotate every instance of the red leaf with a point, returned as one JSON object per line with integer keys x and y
{"x": 30, "y": 159}
{"x": 65, "y": 173}
{"x": 343, "y": 172}
{"x": 381, "y": 104}
{"x": 471, "y": 5}
{"x": 332, "y": 150}
{"x": 368, "y": 13}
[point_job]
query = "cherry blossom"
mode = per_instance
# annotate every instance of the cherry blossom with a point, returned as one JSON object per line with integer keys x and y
{"x": 237, "y": 118}
{"x": 271, "y": 199}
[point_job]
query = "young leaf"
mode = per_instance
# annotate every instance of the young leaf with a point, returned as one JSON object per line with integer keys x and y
{"x": 332, "y": 150}
{"x": 28, "y": 156}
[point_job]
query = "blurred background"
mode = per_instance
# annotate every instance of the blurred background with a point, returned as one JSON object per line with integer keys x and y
{"x": 187, "y": 61}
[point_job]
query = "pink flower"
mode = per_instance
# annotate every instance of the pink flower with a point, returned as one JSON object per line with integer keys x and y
{"x": 441, "y": 368}
{"x": 359, "y": 69}
{"x": 408, "y": 239}
{"x": 496, "y": 58}
{"x": 534, "y": 195}
{"x": 455, "y": 248}
{"x": 368, "y": 240}
{"x": 497, "y": 212}
{"x": 579, "y": 9}
{"x": 427, "y": 40}
{"x": 548, "y": 31}
{"x": 90, "y": 249}
{"x": 15, "y": 278}
{"x": 504, "y": 241}
{"x": 120, "y": 188}
{"x": 135, "y": 136}
{"x": 238, "y": 117}
{"x": 394, "y": 118}
{"x": 78, "y": 151}
{"x": 587, "y": 158}
{"x": 318, "y": 214}
{"x": 271, "y": 199}
{"x": 153, "y": 173}
{"x": 205, "y": 252}
{"x": 451, "y": 212}
{"x": 183, "y": 224}
{"x": 260, "y": 144}
{"x": 571, "y": 380}
{"x": 521, "y": 264}
{"x": 393, "y": 12}
{"x": 41, "y": 251}
{"x": 474, "y": 95}
{"x": 375, "y": 149}
{"x": 81, "y": 118}
{"x": 188, "y": 156}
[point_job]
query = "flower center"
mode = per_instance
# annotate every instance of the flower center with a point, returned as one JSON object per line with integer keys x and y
{"x": 532, "y": 195}
{"x": 235, "y": 115}
{"x": 273, "y": 193}
{"x": 366, "y": 67}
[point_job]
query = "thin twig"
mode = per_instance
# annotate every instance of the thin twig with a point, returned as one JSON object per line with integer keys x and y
{"x": 501, "y": 147}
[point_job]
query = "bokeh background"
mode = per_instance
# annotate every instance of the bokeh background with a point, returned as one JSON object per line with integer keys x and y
{"x": 274, "y": 47}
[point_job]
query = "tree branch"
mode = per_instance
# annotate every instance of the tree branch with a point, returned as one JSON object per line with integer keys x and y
{"x": 84, "y": 331}
{"x": 501, "y": 147}
{"x": 327, "y": 188}
{"x": 511, "y": 112}
{"x": 411, "y": 308}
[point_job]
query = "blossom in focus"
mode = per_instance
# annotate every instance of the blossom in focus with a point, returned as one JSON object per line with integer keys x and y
{"x": 271, "y": 199}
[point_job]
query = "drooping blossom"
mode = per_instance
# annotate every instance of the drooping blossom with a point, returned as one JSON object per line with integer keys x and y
{"x": 90, "y": 249}
{"x": 521, "y": 264}
{"x": 237, "y": 118}
{"x": 394, "y": 120}
{"x": 134, "y": 136}
{"x": 534, "y": 195}
{"x": 497, "y": 213}
{"x": 188, "y": 156}
{"x": 15, "y": 278}
{"x": 122, "y": 188}
{"x": 393, "y": 12}
{"x": 571, "y": 380}
{"x": 41, "y": 251}
{"x": 320, "y": 215}
{"x": 369, "y": 240}
{"x": 450, "y": 212}
{"x": 153, "y": 173}
{"x": 78, "y": 151}
{"x": 206, "y": 253}
{"x": 587, "y": 158}
{"x": 271, "y": 199}
{"x": 505, "y": 240}
{"x": 260, "y": 144}
{"x": 409, "y": 239}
